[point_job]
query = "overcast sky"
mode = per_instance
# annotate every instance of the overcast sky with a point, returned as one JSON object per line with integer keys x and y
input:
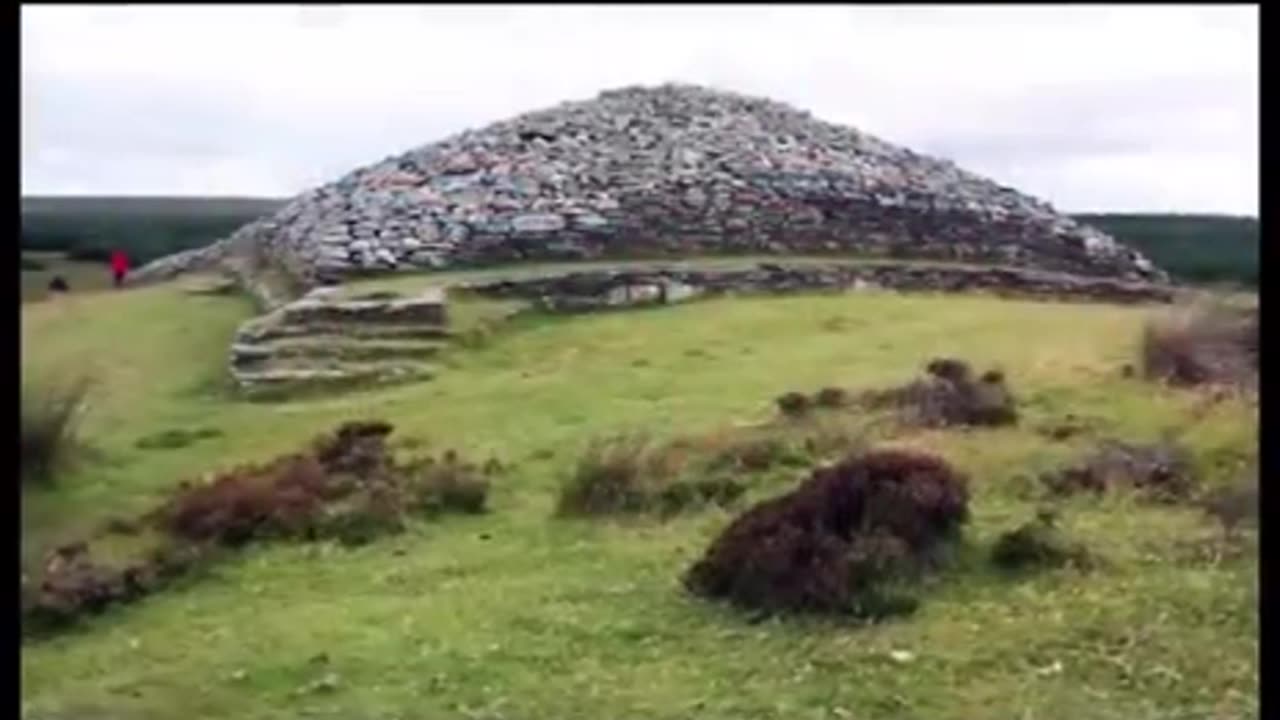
{"x": 1143, "y": 108}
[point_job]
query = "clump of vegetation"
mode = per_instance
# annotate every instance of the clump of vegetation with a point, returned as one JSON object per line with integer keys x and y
{"x": 176, "y": 438}
{"x": 1037, "y": 544}
{"x": 345, "y": 486}
{"x": 950, "y": 395}
{"x": 633, "y": 474}
{"x": 73, "y": 584}
{"x": 831, "y": 397}
{"x": 1202, "y": 343}
{"x": 451, "y": 484}
{"x": 49, "y": 437}
{"x": 610, "y": 477}
{"x": 849, "y": 540}
{"x": 346, "y": 477}
{"x": 1160, "y": 471}
{"x": 794, "y": 404}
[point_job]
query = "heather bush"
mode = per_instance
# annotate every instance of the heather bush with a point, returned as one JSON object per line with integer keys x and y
{"x": 794, "y": 404}
{"x": 346, "y": 487}
{"x": 949, "y": 395}
{"x": 831, "y": 397}
{"x": 846, "y": 541}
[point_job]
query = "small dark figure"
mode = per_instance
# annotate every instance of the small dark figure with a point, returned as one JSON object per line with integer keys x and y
{"x": 119, "y": 267}
{"x": 58, "y": 285}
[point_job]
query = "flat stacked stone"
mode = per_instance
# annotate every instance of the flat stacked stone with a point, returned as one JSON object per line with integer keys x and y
{"x": 323, "y": 341}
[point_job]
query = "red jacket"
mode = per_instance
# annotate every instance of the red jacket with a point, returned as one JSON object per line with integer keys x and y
{"x": 119, "y": 262}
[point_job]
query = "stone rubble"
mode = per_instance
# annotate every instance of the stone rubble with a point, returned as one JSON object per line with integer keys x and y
{"x": 672, "y": 170}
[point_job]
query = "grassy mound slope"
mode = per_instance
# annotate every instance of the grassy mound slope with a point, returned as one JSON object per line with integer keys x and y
{"x": 523, "y": 614}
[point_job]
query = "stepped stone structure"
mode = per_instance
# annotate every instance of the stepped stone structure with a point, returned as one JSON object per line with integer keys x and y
{"x": 666, "y": 171}
{"x": 322, "y": 341}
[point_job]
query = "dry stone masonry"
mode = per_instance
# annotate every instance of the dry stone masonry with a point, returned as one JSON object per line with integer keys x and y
{"x": 587, "y": 290}
{"x": 322, "y": 341}
{"x": 673, "y": 170}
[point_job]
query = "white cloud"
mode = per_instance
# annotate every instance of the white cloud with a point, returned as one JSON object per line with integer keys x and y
{"x": 1136, "y": 107}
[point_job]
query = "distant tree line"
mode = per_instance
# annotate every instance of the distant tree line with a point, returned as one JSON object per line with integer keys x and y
{"x": 1195, "y": 248}
{"x": 89, "y": 228}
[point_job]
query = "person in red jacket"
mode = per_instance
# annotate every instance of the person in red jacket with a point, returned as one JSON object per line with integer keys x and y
{"x": 119, "y": 266}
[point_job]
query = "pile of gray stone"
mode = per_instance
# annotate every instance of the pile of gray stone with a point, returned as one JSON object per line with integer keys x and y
{"x": 672, "y": 170}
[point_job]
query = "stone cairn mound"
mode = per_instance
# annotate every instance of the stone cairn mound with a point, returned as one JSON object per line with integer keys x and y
{"x": 323, "y": 341}
{"x": 666, "y": 171}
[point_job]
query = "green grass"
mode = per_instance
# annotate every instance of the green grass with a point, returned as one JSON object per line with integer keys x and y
{"x": 83, "y": 277}
{"x": 407, "y": 283}
{"x": 517, "y": 614}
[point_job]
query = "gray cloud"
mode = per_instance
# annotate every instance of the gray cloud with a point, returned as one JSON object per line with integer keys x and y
{"x": 1137, "y": 108}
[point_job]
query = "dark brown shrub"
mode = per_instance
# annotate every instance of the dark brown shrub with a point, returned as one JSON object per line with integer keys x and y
{"x": 950, "y": 369}
{"x": 72, "y": 584}
{"x": 247, "y": 503}
{"x": 357, "y": 448}
{"x": 831, "y": 397}
{"x": 1202, "y": 343}
{"x": 949, "y": 396}
{"x": 793, "y": 404}
{"x": 346, "y": 487}
{"x": 836, "y": 543}
{"x": 362, "y": 517}
{"x": 1160, "y": 471}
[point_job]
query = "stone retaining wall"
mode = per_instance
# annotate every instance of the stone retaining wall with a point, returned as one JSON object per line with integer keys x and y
{"x": 594, "y": 289}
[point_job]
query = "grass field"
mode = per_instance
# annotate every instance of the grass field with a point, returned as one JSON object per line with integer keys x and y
{"x": 516, "y": 614}
{"x": 83, "y": 277}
